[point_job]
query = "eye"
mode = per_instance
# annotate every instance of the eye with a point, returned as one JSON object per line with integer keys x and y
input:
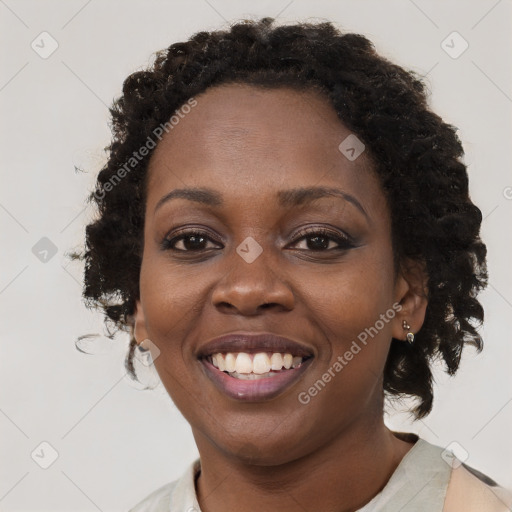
{"x": 321, "y": 239}
{"x": 317, "y": 239}
{"x": 190, "y": 241}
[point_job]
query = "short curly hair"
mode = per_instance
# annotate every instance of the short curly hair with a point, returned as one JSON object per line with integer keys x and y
{"x": 416, "y": 156}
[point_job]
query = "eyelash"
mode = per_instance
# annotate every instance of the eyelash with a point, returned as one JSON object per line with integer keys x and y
{"x": 344, "y": 242}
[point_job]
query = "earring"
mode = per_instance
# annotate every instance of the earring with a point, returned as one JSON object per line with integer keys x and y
{"x": 144, "y": 355}
{"x": 410, "y": 335}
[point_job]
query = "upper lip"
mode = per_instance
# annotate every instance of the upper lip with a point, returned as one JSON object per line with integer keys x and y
{"x": 253, "y": 343}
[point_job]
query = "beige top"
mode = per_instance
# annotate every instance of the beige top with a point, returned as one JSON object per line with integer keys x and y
{"x": 428, "y": 479}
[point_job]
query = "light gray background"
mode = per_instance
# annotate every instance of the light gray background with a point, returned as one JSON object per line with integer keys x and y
{"x": 115, "y": 442}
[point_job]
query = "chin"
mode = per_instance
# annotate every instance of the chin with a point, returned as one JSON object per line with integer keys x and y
{"x": 260, "y": 452}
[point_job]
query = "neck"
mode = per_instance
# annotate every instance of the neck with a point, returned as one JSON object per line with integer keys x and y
{"x": 343, "y": 475}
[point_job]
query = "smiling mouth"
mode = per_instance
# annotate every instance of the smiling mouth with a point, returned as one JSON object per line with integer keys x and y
{"x": 254, "y": 367}
{"x": 260, "y": 365}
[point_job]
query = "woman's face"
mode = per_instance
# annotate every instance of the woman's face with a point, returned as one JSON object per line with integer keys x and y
{"x": 260, "y": 265}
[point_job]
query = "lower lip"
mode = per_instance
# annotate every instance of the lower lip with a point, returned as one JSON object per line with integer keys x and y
{"x": 257, "y": 389}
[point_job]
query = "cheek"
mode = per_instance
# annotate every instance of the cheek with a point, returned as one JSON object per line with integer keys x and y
{"x": 353, "y": 309}
{"x": 172, "y": 300}
{"x": 348, "y": 373}
{"x": 354, "y": 296}
{"x": 171, "y": 304}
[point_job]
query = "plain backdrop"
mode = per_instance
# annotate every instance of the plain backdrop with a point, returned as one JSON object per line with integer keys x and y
{"x": 108, "y": 442}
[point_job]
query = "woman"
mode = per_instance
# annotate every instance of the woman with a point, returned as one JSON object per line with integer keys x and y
{"x": 285, "y": 227}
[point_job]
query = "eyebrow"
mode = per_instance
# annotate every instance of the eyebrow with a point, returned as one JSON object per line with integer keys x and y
{"x": 286, "y": 198}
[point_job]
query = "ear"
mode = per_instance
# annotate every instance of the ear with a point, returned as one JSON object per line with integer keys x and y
{"x": 411, "y": 292}
{"x": 139, "y": 323}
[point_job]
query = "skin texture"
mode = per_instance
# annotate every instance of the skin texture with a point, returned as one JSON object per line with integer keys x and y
{"x": 335, "y": 453}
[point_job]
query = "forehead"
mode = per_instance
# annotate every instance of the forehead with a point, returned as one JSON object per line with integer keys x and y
{"x": 242, "y": 139}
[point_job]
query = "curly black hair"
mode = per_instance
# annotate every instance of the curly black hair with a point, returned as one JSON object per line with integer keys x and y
{"x": 416, "y": 155}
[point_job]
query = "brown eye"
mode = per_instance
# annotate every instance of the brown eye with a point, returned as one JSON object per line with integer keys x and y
{"x": 323, "y": 240}
{"x": 190, "y": 241}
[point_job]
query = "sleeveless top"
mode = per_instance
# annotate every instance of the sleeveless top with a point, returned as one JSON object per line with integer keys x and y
{"x": 428, "y": 479}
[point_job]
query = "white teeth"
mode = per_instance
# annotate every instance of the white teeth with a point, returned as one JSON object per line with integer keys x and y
{"x": 243, "y": 363}
{"x": 252, "y": 376}
{"x": 276, "y": 361}
{"x": 259, "y": 364}
{"x": 230, "y": 361}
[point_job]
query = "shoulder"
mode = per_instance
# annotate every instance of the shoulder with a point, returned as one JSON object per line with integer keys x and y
{"x": 175, "y": 496}
{"x": 469, "y": 490}
{"x": 157, "y": 501}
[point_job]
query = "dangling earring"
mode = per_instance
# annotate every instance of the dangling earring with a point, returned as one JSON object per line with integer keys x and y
{"x": 144, "y": 355}
{"x": 410, "y": 335}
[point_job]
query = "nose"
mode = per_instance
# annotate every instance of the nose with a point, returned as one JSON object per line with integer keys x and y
{"x": 251, "y": 288}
